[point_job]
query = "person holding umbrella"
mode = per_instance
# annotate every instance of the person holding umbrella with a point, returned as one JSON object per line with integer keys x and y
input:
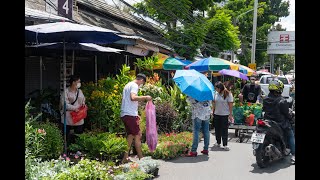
{"x": 222, "y": 110}
{"x": 201, "y": 112}
{"x": 200, "y": 92}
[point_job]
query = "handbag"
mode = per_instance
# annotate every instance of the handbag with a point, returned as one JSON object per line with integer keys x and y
{"x": 81, "y": 114}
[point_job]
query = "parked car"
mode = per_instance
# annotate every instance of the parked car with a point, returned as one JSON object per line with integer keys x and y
{"x": 264, "y": 83}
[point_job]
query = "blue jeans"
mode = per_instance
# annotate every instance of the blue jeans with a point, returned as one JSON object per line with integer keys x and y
{"x": 197, "y": 125}
{"x": 291, "y": 141}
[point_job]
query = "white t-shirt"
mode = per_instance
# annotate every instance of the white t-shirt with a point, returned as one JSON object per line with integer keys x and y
{"x": 129, "y": 107}
{"x": 221, "y": 104}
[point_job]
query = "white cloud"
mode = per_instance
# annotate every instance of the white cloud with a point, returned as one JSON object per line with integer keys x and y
{"x": 289, "y": 21}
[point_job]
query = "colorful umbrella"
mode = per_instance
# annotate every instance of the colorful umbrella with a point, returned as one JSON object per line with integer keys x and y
{"x": 212, "y": 64}
{"x": 249, "y": 71}
{"x": 233, "y": 73}
{"x": 194, "y": 84}
{"x": 175, "y": 64}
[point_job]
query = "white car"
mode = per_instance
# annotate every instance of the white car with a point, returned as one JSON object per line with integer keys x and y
{"x": 264, "y": 83}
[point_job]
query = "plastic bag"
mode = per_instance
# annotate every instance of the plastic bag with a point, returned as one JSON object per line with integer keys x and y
{"x": 238, "y": 115}
{"x": 151, "y": 126}
{"x": 81, "y": 114}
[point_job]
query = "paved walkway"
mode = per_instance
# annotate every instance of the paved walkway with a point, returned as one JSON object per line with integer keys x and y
{"x": 236, "y": 164}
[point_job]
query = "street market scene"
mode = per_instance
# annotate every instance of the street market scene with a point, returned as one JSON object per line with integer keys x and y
{"x": 159, "y": 89}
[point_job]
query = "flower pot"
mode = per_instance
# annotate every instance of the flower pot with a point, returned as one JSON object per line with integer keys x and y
{"x": 155, "y": 173}
{"x": 250, "y": 120}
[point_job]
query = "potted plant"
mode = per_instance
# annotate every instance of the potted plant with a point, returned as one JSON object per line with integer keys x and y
{"x": 146, "y": 164}
{"x": 248, "y": 114}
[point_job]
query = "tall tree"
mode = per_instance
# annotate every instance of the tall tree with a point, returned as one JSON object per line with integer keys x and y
{"x": 189, "y": 29}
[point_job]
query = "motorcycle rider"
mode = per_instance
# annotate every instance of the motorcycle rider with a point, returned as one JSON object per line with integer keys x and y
{"x": 276, "y": 108}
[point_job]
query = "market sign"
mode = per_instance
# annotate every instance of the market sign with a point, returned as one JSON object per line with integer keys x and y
{"x": 281, "y": 42}
{"x": 65, "y": 8}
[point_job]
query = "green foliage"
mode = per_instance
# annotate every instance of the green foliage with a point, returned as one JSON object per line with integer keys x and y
{"x": 170, "y": 145}
{"x": 47, "y": 170}
{"x": 165, "y": 115}
{"x": 52, "y": 144}
{"x": 135, "y": 174}
{"x": 223, "y": 35}
{"x": 33, "y": 137}
{"x": 104, "y": 101}
{"x": 85, "y": 169}
{"x": 183, "y": 122}
{"x": 269, "y": 12}
{"x": 146, "y": 65}
{"x": 103, "y": 145}
{"x": 146, "y": 164}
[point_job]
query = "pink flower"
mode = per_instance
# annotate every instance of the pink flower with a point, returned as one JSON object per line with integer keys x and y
{"x": 67, "y": 159}
{"x": 64, "y": 155}
{"x": 76, "y": 156}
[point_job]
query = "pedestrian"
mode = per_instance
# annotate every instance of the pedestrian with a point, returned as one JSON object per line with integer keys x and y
{"x": 74, "y": 100}
{"x": 129, "y": 113}
{"x": 250, "y": 92}
{"x": 201, "y": 112}
{"x": 222, "y": 110}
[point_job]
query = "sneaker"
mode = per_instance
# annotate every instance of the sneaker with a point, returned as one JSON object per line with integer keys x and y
{"x": 206, "y": 152}
{"x": 192, "y": 154}
{"x": 226, "y": 148}
{"x": 217, "y": 145}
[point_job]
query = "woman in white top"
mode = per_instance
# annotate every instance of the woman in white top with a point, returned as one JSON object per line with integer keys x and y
{"x": 74, "y": 100}
{"x": 222, "y": 110}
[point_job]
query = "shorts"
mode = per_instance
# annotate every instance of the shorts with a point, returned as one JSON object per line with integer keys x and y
{"x": 131, "y": 124}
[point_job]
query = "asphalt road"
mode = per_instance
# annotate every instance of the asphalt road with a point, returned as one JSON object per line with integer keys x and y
{"x": 236, "y": 164}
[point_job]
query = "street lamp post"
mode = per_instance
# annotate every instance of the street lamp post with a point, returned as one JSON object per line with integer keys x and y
{"x": 254, "y": 32}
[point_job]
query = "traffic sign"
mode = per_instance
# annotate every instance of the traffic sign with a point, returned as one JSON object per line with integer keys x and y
{"x": 252, "y": 66}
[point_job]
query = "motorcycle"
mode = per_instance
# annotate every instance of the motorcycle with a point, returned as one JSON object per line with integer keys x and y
{"x": 268, "y": 142}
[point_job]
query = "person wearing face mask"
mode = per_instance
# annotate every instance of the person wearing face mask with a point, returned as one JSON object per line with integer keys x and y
{"x": 250, "y": 92}
{"x": 129, "y": 113}
{"x": 74, "y": 100}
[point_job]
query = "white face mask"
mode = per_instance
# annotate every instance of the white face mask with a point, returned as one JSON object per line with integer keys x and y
{"x": 78, "y": 85}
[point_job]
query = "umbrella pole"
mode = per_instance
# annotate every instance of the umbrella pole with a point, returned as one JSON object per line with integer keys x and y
{"x": 168, "y": 77}
{"x": 40, "y": 73}
{"x": 95, "y": 69}
{"x": 72, "y": 68}
{"x": 64, "y": 98}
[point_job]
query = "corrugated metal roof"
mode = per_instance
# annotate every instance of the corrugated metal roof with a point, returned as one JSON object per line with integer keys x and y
{"x": 33, "y": 13}
{"x": 129, "y": 32}
{"x": 103, "y": 6}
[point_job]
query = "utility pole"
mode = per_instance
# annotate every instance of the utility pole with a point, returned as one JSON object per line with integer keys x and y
{"x": 254, "y": 32}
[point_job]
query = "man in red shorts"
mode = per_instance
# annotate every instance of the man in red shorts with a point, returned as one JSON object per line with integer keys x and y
{"x": 129, "y": 112}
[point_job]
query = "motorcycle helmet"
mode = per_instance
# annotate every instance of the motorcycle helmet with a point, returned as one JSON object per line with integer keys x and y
{"x": 276, "y": 85}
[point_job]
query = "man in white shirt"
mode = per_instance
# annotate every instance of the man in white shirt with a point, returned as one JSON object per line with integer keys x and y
{"x": 129, "y": 112}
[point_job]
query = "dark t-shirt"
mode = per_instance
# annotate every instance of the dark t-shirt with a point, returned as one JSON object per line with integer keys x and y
{"x": 251, "y": 92}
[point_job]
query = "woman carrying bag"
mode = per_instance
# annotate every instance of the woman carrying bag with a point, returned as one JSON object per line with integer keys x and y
{"x": 75, "y": 101}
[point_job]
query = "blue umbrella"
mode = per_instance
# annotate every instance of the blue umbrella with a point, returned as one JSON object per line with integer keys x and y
{"x": 194, "y": 84}
{"x": 70, "y": 33}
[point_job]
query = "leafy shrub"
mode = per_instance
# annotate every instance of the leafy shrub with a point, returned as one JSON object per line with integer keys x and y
{"x": 104, "y": 145}
{"x": 33, "y": 137}
{"x": 85, "y": 169}
{"x": 165, "y": 115}
{"x": 146, "y": 164}
{"x": 170, "y": 145}
{"x": 53, "y": 140}
{"x": 135, "y": 174}
{"x": 45, "y": 170}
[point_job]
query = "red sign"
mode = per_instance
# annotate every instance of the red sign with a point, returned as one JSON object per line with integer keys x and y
{"x": 284, "y": 38}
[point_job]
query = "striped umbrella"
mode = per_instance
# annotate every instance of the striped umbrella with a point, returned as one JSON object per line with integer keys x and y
{"x": 212, "y": 64}
{"x": 249, "y": 70}
{"x": 175, "y": 64}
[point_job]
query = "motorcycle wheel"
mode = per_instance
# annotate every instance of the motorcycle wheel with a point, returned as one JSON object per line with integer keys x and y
{"x": 261, "y": 159}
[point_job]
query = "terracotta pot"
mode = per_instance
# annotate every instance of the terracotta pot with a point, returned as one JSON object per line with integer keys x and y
{"x": 250, "y": 119}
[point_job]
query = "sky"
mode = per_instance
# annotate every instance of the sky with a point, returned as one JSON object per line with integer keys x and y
{"x": 287, "y": 22}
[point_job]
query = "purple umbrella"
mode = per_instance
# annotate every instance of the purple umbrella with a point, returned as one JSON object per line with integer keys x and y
{"x": 233, "y": 73}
